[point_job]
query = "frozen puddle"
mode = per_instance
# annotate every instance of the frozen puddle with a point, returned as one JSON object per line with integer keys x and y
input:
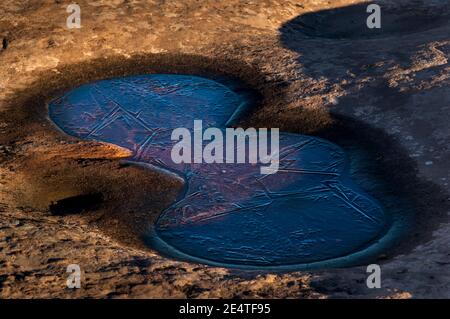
{"x": 308, "y": 213}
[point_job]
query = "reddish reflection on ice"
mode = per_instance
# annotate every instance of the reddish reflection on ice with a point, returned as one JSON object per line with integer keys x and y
{"x": 228, "y": 213}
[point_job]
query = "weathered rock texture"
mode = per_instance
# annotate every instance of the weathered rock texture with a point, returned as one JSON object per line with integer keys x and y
{"x": 390, "y": 93}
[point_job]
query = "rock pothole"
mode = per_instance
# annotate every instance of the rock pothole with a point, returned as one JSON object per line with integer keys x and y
{"x": 76, "y": 204}
{"x": 309, "y": 214}
{"x": 350, "y": 22}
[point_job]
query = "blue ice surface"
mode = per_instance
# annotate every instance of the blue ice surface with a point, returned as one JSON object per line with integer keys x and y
{"x": 309, "y": 212}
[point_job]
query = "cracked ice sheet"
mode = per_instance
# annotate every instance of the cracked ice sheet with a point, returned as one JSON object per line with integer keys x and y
{"x": 308, "y": 211}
